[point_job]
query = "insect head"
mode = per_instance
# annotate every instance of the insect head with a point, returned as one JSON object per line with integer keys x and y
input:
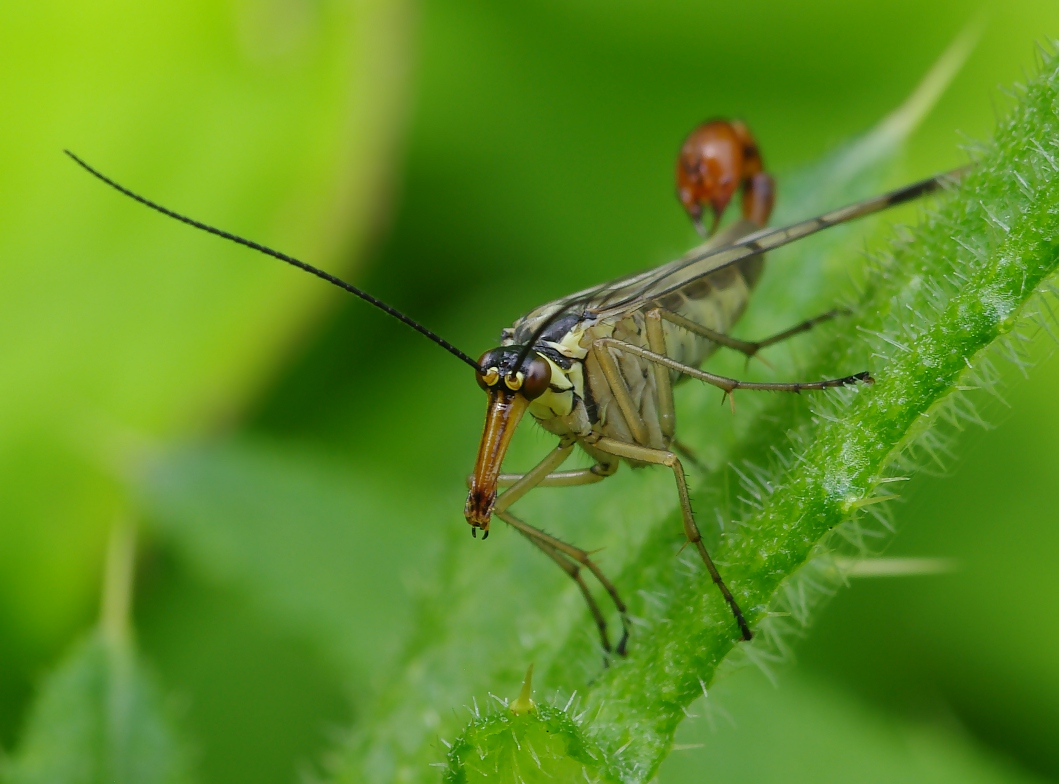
{"x": 511, "y": 385}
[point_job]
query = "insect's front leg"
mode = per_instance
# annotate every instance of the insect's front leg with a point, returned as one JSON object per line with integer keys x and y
{"x": 544, "y": 475}
{"x": 573, "y": 570}
{"x": 522, "y": 484}
{"x": 570, "y": 559}
{"x": 574, "y": 478}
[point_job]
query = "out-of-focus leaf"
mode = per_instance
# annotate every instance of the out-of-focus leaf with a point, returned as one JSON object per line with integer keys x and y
{"x": 99, "y": 719}
{"x": 805, "y": 730}
{"x": 274, "y": 119}
{"x": 328, "y": 548}
{"x": 258, "y": 700}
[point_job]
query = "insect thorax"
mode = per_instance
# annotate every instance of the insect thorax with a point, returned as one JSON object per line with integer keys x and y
{"x": 580, "y": 402}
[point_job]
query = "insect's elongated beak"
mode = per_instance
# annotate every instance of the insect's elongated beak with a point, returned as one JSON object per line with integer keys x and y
{"x": 501, "y": 418}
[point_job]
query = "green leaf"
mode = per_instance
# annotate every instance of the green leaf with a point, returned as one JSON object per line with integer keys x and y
{"x": 290, "y": 528}
{"x": 473, "y": 642}
{"x": 790, "y": 473}
{"x": 746, "y": 730}
{"x": 99, "y": 719}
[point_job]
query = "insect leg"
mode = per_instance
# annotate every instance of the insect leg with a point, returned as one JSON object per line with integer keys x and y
{"x": 797, "y": 329}
{"x": 689, "y": 456}
{"x": 569, "y": 558}
{"x": 637, "y": 426}
{"x": 748, "y": 347}
{"x": 555, "y": 548}
{"x": 574, "y": 571}
{"x": 535, "y": 475}
{"x": 656, "y": 339}
{"x": 691, "y": 530}
{"x": 729, "y": 385}
{"x": 579, "y": 476}
{"x": 544, "y": 475}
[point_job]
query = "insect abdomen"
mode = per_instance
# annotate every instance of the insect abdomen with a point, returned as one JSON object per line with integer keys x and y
{"x": 715, "y": 302}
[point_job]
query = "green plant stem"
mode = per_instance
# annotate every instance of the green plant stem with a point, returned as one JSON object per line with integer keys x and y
{"x": 118, "y": 579}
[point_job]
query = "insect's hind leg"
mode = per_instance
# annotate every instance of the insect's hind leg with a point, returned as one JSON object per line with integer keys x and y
{"x": 645, "y": 454}
{"x": 799, "y": 328}
{"x": 664, "y": 457}
{"x": 568, "y": 557}
{"x": 571, "y": 559}
{"x": 749, "y": 348}
{"x": 729, "y": 385}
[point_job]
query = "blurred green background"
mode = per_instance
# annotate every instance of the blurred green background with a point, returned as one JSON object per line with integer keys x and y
{"x": 297, "y": 460}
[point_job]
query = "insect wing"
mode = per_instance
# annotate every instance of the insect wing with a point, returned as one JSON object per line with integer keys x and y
{"x": 708, "y": 258}
{"x": 614, "y": 297}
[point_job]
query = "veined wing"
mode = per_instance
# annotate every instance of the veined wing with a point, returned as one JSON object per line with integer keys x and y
{"x": 551, "y": 321}
{"x": 727, "y": 248}
{"x": 706, "y": 259}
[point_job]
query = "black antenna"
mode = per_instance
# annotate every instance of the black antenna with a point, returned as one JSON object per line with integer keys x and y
{"x": 284, "y": 257}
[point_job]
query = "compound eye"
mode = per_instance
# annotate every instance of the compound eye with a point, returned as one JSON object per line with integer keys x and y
{"x": 537, "y": 374}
